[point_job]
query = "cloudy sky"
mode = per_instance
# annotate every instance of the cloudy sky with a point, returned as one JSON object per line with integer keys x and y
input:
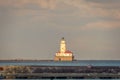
{"x": 32, "y": 29}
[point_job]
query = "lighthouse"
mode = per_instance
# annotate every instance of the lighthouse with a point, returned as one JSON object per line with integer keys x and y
{"x": 63, "y": 54}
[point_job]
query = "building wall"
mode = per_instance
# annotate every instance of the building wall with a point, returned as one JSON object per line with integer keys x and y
{"x": 64, "y": 58}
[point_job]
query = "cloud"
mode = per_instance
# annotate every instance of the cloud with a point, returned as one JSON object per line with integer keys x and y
{"x": 22, "y": 3}
{"x": 101, "y": 25}
{"x": 93, "y": 9}
{"x": 83, "y": 7}
{"x": 26, "y": 8}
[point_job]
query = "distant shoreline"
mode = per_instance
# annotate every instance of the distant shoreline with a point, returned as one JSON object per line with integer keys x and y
{"x": 53, "y": 60}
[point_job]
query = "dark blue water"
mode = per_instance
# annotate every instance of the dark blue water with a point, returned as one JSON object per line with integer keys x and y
{"x": 71, "y": 63}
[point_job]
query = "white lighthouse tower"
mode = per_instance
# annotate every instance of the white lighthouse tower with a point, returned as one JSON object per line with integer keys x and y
{"x": 63, "y": 54}
{"x": 62, "y": 46}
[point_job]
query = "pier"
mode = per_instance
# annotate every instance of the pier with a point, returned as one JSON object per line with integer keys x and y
{"x": 69, "y": 72}
{"x": 66, "y": 76}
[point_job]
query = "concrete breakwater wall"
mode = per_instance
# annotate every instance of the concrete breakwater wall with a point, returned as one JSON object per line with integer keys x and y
{"x": 67, "y": 72}
{"x": 76, "y": 69}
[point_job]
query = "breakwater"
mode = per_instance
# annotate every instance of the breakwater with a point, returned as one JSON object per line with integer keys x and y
{"x": 66, "y": 72}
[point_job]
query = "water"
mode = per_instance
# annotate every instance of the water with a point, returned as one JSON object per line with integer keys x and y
{"x": 71, "y": 63}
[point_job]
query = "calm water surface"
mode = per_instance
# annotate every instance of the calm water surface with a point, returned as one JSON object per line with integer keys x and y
{"x": 72, "y": 63}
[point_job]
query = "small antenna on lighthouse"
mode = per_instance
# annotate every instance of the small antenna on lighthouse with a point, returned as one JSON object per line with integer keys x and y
{"x": 63, "y": 38}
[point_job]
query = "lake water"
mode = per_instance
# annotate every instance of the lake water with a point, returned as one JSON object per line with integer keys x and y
{"x": 66, "y": 63}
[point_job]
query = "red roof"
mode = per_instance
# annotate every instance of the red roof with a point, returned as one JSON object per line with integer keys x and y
{"x": 66, "y": 52}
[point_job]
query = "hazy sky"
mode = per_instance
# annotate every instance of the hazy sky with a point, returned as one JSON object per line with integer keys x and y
{"x": 32, "y": 29}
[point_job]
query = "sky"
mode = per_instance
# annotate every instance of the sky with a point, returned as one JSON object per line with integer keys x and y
{"x": 32, "y": 29}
